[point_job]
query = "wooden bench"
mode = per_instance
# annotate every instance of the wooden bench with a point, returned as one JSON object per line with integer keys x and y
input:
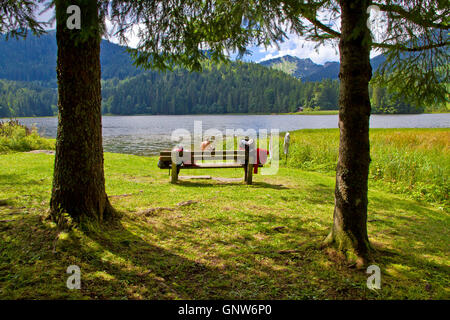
{"x": 192, "y": 160}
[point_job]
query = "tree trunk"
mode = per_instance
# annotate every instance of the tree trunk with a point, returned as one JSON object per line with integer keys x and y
{"x": 349, "y": 231}
{"x": 78, "y": 181}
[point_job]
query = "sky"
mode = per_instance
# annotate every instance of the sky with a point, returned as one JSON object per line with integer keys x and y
{"x": 294, "y": 46}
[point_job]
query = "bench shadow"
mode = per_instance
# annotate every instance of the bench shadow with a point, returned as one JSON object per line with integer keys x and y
{"x": 221, "y": 184}
{"x": 269, "y": 185}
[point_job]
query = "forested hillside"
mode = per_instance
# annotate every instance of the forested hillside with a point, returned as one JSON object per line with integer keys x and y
{"x": 28, "y": 84}
{"x": 235, "y": 88}
{"x": 34, "y": 59}
{"x": 26, "y": 99}
{"x": 231, "y": 88}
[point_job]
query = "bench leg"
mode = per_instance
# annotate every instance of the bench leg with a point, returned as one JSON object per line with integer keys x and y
{"x": 249, "y": 174}
{"x": 174, "y": 176}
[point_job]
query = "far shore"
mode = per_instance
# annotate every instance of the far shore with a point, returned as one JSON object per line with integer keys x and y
{"x": 304, "y": 113}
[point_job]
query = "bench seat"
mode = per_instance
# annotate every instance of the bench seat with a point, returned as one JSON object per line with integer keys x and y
{"x": 193, "y": 160}
{"x": 223, "y": 165}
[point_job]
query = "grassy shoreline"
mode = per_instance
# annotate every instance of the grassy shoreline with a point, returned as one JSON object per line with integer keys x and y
{"x": 305, "y": 113}
{"x": 413, "y": 162}
{"x": 233, "y": 241}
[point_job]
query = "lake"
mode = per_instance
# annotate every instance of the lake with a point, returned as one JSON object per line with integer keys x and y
{"x": 146, "y": 135}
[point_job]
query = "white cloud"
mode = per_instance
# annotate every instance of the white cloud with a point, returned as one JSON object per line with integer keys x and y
{"x": 294, "y": 46}
{"x": 132, "y": 34}
{"x": 298, "y": 47}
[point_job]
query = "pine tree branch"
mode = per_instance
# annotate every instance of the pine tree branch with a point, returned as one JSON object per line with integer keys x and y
{"x": 413, "y": 17}
{"x": 410, "y": 49}
{"x": 332, "y": 33}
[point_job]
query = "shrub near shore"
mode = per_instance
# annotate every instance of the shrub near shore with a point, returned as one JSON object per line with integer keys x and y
{"x": 17, "y": 137}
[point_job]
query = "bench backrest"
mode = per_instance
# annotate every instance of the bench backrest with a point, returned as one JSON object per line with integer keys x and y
{"x": 234, "y": 155}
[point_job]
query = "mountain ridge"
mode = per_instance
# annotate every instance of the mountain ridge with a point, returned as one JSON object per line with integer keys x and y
{"x": 307, "y": 70}
{"x": 34, "y": 59}
{"x": 28, "y": 84}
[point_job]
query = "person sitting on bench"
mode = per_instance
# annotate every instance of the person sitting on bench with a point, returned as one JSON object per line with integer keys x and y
{"x": 208, "y": 144}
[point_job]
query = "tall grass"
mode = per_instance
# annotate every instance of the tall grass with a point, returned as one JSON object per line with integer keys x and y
{"x": 413, "y": 161}
{"x": 17, "y": 137}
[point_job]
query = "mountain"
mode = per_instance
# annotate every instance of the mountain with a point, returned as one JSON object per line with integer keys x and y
{"x": 330, "y": 70}
{"x": 307, "y": 70}
{"x": 28, "y": 84}
{"x": 299, "y": 68}
{"x": 34, "y": 59}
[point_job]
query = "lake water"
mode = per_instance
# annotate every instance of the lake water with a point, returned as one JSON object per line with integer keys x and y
{"x": 146, "y": 135}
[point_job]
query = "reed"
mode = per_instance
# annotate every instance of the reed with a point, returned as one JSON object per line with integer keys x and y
{"x": 413, "y": 161}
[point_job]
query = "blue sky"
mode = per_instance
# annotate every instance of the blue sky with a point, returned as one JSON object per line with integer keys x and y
{"x": 294, "y": 46}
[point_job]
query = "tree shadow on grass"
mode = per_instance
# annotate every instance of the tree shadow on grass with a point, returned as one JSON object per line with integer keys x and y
{"x": 166, "y": 274}
{"x": 123, "y": 260}
{"x": 416, "y": 237}
{"x": 18, "y": 180}
{"x": 152, "y": 272}
{"x": 318, "y": 194}
{"x": 115, "y": 263}
{"x": 160, "y": 273}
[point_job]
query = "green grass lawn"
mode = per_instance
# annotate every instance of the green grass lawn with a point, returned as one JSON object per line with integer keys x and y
{"x": 232, "y": 241}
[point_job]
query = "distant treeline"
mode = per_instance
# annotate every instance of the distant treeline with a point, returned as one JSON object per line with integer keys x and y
{"x": 29, "y": 89}
{"x": 229, "y": 88}
{"x": 26, "y": 99}
{"x": 224, "y": 88}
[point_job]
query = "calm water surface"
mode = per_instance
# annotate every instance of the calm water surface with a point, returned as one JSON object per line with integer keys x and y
{"x": 146, "y": 135}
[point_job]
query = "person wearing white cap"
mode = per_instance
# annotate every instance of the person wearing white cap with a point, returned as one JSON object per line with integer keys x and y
{"x": 287, "y": 139}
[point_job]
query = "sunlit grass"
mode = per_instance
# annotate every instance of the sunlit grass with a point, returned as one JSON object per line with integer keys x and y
{"x": 233, "y": 241}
